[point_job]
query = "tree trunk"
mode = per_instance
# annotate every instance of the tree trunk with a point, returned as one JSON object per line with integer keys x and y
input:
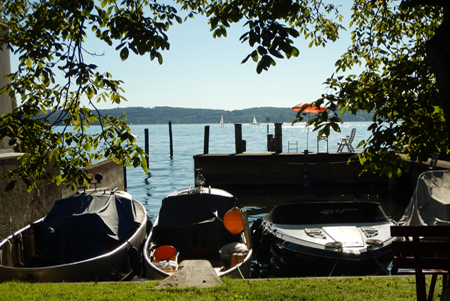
{"x": 438, "y": 51}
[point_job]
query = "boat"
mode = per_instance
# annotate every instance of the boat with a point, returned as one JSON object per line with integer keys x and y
{"x": 324, "y": 239}
{"x": 199, "y": 223}
{"x": 254, "y": 122}
{"x": 430, "y": 201}
{"x": 91, "y": 236}
{"x": 221, "y": 124}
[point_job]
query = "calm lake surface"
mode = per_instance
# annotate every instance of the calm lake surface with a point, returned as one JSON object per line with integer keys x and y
{"x": 169, "y": 174}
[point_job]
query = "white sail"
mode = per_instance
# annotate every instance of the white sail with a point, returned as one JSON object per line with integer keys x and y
{"x": 254, "y": 121}
{"x": 221, "y": 122}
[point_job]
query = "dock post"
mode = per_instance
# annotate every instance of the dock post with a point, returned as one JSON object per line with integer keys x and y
{"x": 206, "y": 142}
{"x": 125, "y": 184}
{"x": 147, "y": 158}
{"x": 278, "y": 139}
{"x": 270, "y": 143}
{"x": 238, "y": 137}
{"x": 170, "y": 138}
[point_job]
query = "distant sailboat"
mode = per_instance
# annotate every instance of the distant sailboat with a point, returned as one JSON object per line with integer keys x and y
{"x": 254, "y": 121}
{"x": 221, "y": 122}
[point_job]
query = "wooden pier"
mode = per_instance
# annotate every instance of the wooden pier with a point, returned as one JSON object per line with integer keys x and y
{"x": 272, "y": 169}
{"x": 275, "y": 169}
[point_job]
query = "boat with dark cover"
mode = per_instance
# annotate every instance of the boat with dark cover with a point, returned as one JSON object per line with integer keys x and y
{"x": 324, "y": 239}
{"x": 91, "y": 236}
{"x": 199, "y": 224}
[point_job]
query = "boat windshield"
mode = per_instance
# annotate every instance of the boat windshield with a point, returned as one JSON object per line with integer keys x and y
{"x": 327, "y": 213}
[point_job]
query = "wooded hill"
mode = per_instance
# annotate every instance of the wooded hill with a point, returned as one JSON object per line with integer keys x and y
{"x": 161, "y": 115}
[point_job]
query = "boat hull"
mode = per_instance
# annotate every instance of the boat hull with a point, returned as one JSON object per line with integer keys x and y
{"x": 113, "y": 266}
{"x": 178, "y": 225}
{"x": 296, "y": 260}
{"x": 241, "y": 270}
{"x": 324, "y": 239}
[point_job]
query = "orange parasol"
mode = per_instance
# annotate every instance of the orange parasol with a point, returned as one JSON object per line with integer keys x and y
{"x": 308, "y": 108}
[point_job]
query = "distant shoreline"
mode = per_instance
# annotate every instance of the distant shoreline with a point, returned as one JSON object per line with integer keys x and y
{"x": 162, "y": 115}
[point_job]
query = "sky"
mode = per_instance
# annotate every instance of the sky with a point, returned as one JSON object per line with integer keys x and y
{"x": 202, "y": 72}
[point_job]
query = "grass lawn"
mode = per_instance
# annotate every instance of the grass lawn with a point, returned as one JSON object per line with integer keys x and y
{"x": 347, "y": 288}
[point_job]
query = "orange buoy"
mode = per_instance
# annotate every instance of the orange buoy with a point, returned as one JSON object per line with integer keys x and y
{"x": 233, "y": 221}
{"x": 165, "y": 252}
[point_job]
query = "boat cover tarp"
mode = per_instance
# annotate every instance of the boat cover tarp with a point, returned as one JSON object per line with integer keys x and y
{"x": 189, "y": 209}
{"x": 193, "y": 223}
{"x": 430, "y": 203}
{"x": 88, "y": 225}
{"x": 326, "y": 213}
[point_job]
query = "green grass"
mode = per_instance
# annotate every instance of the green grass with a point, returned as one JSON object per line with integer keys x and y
{"x": 348, "y": 288}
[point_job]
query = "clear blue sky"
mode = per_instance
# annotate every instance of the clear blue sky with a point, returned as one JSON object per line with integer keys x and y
{"x": 202, "y": 72}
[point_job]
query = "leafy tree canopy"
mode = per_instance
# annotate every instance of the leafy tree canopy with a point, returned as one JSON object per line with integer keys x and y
{"x": 49, "y": 37}
{"x": 398, "y": 84}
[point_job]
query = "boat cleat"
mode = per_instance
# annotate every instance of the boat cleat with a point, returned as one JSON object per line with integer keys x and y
{"x": 370, "y": 232}
{"x": 315, "y": 233}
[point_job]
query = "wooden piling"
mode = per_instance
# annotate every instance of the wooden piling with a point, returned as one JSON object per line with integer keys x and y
{"x": 170, "y": 138}
{"x": 147, "y": 158}
{"x": 125, "y": 184}
{"x": 270, "y": 142}
{"x": 278, "y": 138}
{"x": 238, "y": 137}
{"x": 206, "y": 140}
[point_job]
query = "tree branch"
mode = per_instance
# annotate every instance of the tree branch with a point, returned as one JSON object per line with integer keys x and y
{"x": 410, "y": 3}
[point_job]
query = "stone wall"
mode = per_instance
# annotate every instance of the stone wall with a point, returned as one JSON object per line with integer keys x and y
{"x": 19, "y": 208}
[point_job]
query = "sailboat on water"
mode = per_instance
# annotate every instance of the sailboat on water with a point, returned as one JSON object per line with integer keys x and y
{"x": 254, "y": 122}
{"x": 221, "y": 122}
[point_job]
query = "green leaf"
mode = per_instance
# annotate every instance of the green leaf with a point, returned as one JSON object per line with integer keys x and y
{"x": 124, "y": 54}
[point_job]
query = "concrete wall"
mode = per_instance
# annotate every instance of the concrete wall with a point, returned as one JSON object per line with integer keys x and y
{"x": 19, "y": 208}
{"x": 6, "y": 104}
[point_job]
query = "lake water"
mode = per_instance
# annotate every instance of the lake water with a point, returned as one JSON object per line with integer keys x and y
{"x": 169, "y": 174}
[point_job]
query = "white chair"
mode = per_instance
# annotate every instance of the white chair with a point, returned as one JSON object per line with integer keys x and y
{"x": 347, "y": 141}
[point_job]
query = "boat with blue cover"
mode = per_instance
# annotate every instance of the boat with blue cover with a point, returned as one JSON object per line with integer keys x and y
{"x": 91, "y": 236}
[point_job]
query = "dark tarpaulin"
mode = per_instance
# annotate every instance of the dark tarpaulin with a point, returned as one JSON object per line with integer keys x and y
{"x": 194, "y": 221}
{"x": 189, "y": 209}
{"x": 87, "y": 225}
